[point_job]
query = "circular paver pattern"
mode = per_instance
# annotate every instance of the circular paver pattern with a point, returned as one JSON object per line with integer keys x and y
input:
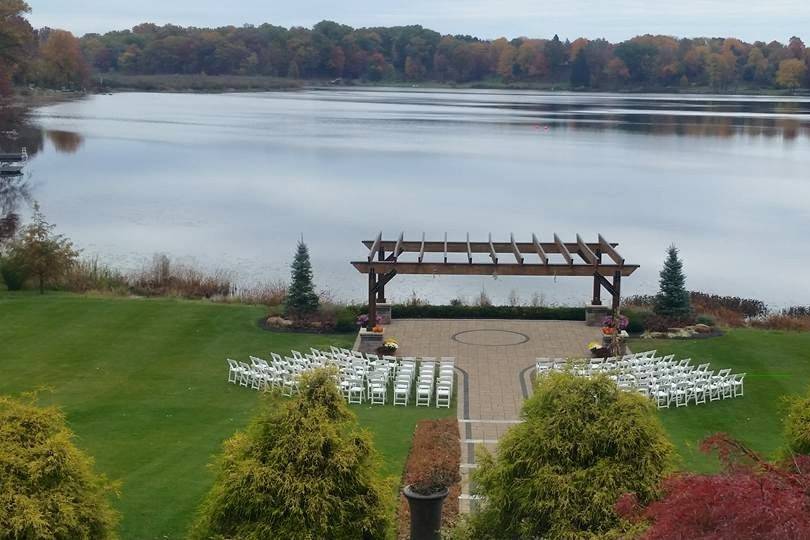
{"x": 490, "y": 338}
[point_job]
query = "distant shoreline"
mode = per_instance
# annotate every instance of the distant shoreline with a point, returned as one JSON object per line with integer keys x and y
{"x": 236, "y": 83}
{"x": 225, "y": 84}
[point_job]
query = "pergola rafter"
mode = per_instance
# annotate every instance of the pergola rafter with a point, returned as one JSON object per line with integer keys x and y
{"x": 533, "y": 258}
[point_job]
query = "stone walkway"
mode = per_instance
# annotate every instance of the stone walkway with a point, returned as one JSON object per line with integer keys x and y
{"x": 494, "y": 359}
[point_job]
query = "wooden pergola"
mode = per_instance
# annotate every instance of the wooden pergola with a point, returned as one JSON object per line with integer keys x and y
{"x": 535, "y": 258}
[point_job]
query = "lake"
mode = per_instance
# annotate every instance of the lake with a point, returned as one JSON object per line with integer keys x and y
{"x": 232, "y": 181}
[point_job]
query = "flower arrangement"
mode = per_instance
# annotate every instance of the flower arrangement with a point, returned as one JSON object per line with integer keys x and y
{"x": 362, "y": 320}
{"x": 609, "y": 324}
{"x": 597, "y": 349}
{"x": 390, "y": 346}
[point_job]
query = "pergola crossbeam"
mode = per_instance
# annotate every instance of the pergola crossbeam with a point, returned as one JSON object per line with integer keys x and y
{"x": 484, "y": 269}
{"x": 563, "y": 249}
{"x": 398, "y": 247}
{"x": 492, "y": 254}
{"x": 422, "y": 249}
{"x": 375, "y": 246}
{"x": 415, "y": 246}
{"x": 515, "y": 249}
{"x": 539, "y": 248}
{"x": 610, "y": 250}
{"x": 585, "y": 252}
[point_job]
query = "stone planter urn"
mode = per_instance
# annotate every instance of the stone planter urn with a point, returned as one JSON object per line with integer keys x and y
{"x": 426, "y": 513}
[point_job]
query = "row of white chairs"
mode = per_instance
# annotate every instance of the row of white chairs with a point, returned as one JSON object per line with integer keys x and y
{"x": 663, "y": 379}
{"x": 361, "y": 377}
{"x": 433, "y": 382}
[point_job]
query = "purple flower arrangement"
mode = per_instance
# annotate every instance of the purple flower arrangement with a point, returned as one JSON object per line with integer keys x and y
{"x": 362, "y": 320}
{"x": 608, "y": 322}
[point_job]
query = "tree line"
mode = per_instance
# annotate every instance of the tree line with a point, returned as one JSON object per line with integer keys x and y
{"x": 330, "y": 50}
{"x": 412, "y": 53}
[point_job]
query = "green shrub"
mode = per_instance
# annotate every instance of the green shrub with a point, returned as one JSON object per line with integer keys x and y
{"x": 303, "y": 469}
{"x": 583, "y": 444}
{"x": 13, "y": 272}
{"x": 638, "y": 320}
{"x": 797, "y": 425}
{"x": 48, "y": 488}
{"x": 457, "y": 311}
{"x": 708, "y": 320}
{"x": 346, "y": 320}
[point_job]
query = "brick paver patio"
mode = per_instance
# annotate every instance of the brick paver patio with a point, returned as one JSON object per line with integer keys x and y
{"x": 495, "y": 359}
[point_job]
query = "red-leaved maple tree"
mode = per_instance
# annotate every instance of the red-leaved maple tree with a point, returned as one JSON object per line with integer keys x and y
{"x": 751, "y": 498}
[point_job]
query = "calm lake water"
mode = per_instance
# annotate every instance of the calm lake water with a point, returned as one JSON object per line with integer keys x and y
{"x": 232, "y": 181}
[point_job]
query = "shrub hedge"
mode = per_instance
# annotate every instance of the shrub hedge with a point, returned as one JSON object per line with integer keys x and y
{"x": 404, "y": 311}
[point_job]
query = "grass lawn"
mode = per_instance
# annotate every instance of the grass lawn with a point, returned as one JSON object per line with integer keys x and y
{"x": 143, "y": 384}
{"x": 777, "y": 364}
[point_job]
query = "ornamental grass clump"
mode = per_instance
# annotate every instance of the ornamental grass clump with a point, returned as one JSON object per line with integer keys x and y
{"x": 48, "y": 489}
{"x": 558, "y": 474}
{"x": 303, "y": 469}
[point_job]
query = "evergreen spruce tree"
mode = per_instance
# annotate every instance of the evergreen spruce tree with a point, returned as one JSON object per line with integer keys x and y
{"x": 301, "y": 297}
{"x": 580, "y": 71}
{"x": 48, "y": 487}
{"x": 673, "y": 298}
{"x": 302, "y": 470}
{"x": 583, "y": 444}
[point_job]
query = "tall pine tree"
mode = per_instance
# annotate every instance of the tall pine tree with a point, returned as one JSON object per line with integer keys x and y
{"x": 580, "y": 71}
{"x": 673, "y": 298}
{"x": 301, "y": 297}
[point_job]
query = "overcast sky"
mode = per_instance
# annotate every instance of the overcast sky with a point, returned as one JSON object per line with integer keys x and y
{"x": 613, "y": 19}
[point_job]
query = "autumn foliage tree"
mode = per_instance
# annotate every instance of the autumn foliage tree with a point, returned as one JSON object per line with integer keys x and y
{"x": 61, "y": 63}
{"x": 750, "y": 499}
{"x": 791, "y": 73}
{"x": 15, "y": 36}
{"x": 40, "y": 253}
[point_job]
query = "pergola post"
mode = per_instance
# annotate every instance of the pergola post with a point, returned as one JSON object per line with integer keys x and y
{"x": 597, "y": 291}
{"x": 617, "y": 290}
{"x": 372, "y": 300}
{"x": 381, "y": 286}
{"x": 597, "y": 287}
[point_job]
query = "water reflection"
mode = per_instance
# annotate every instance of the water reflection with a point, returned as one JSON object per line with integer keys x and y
{"x": 13, "y": 191}
{"x": 18, "y": 131}
{"x": 688, "y": 115}
{"x": 65, "y": 141}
